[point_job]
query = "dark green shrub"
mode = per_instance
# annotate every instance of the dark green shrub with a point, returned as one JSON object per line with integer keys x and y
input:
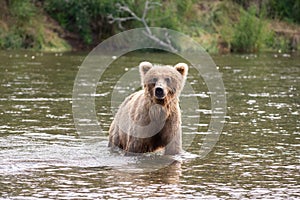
{"x": 288, "y": 10}
{"x": 248, "y": 33}
{"x": 22, "y": 10}
{"x": 79, "y": 15}
{"x": 10, "y": 40}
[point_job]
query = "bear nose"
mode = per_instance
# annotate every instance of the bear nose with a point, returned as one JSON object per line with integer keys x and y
{"x": 159, "y": 92}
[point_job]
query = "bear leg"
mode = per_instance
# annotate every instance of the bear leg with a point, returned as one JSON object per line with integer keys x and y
{"x": 175, "y": 146}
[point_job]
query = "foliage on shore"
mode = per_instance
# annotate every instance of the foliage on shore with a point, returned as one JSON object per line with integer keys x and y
{"x": 219, "y": 26}
{"x": 24, "y": 26}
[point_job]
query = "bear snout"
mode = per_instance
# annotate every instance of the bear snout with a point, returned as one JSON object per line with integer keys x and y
{"x": 159, "y": 92}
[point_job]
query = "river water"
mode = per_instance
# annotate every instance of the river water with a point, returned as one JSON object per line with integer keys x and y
{"x": 257, "y": 155}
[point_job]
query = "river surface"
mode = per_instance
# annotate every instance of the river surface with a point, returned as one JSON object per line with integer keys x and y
{"x": 257, "y": 155}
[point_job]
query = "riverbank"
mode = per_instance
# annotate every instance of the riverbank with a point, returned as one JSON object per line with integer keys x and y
{"x": 219, "y": 26}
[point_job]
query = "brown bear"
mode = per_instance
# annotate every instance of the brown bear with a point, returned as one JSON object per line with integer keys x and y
{"x": 150, "y": 119}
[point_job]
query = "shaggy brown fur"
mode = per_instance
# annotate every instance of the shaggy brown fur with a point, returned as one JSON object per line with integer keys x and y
{"x": 150, "y": 119}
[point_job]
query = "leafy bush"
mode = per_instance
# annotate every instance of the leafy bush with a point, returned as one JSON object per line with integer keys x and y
{"x": 84, "y": 17}
{"x": 10, "y": 40}
{"x": 78, "y": 16}
{"x": 22, "y": 10}
{"x": 248, "y": 33}
{"x": 288, "y": 10}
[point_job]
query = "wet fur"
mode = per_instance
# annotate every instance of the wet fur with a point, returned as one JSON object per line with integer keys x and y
{"x": 143, "y": 108}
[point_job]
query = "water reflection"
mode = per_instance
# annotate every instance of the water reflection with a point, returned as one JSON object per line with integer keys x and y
{"x": 257, "y": 155}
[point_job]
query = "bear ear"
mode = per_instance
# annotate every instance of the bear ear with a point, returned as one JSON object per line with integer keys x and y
{"x": 182, "y": 68}
{"x": 145, "y": 67}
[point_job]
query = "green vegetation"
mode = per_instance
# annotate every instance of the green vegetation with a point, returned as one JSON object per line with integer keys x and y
{"x": 82, "y": 17}
{"x": 219, "y": 26}
{"x": 249, "y": 32}
{"x": 24, "y": 26}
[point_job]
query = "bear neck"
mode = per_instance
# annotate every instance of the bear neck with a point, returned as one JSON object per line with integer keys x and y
{"x": 170, "y": 105}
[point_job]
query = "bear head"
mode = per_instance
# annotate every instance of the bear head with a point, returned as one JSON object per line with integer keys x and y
{"x": 163, "y": 83}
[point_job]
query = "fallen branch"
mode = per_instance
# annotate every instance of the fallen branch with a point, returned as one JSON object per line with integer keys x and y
{"x": 133, "y": 16}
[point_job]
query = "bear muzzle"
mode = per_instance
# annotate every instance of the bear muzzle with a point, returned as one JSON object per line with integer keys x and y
{"x": 159, "y": 92}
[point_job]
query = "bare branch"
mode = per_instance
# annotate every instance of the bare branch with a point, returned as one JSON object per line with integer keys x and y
{"x": 148, "y": 6}
{"x": 145, "y": 10}
{"x": 161, "y": 42}
{"x": 128, "y": 10}
{"x": 119, "y": 20}
{"x": 112, "y": 19}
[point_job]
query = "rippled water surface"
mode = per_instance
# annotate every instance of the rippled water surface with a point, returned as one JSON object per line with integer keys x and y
{"x": 42, "y": 156}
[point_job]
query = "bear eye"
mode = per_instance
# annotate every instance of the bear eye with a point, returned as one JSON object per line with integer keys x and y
{"x": 154, "y": 80}
{"x": 168, "y": 80}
